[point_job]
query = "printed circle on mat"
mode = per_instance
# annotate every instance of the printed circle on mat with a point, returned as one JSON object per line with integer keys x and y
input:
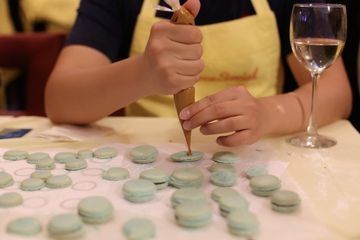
{"x": 24, "y": 171}
{"x": 84, "y": 186}
{"x": 35, "y": 202}
{"x": 70, "y": 204}
{"x": 92, "y": 172}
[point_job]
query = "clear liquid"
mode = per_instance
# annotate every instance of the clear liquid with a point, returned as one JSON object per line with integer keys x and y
{"x": 317, "y": 54}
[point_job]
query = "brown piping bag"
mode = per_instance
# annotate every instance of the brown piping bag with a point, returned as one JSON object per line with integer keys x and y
{"x": 186, "y": 96}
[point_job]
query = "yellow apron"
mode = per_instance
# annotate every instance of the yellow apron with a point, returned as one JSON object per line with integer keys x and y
{"x": 244, "y": 51}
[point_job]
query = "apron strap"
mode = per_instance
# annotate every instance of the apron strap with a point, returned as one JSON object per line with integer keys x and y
{"x": 261, "y": 6}
{"x": 148, "y": 8}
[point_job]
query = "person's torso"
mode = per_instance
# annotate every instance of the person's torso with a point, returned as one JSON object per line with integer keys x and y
{"x": 243, "y": 51}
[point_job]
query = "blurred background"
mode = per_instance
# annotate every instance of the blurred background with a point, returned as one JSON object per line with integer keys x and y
{"x": 32, "y": 33}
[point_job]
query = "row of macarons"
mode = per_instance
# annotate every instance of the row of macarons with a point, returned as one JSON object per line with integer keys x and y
{"x": 140, "y": 154}
{"x": 91, "y": 210}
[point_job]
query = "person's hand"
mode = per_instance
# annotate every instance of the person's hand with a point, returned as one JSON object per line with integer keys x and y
{"x": 233, "y": 112}
{"x": 172, "y": 58}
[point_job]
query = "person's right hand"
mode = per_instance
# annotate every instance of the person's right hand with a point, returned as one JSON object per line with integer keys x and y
{"x": 172, "y": 58}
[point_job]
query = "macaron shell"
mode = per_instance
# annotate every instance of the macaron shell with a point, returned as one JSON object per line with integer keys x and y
{"x": 184, "y": 157}
{"x": 193, "y": 215}
{"x": 139, "y": 190}
{"x": 95, "y": 209}
{"x": 242, "y": 223}
{"x": 221, "y": 192}
{"x": 24, "y": 226}
{"x": 63, "y": 157}
{"x": 285, "y": 201}
{"x": 264, "y": 185}
{"x": 6, "y": 180}
{"x": 32, "y": 184}
{"x": 139, "y": 229}
{"x": 33, "y": 158}
{"x": 58, "y": 181}
{"x": 225, "y": 157}
{"x": 105, "y": 153}
{"x": 223, "y": 178}
{"x": 143, "y": 154}
{"x": 116, "y": 174}
{"x": 15, "y": 155}
{"x": 11, "y": 199}
{"x": 75, "y": 165}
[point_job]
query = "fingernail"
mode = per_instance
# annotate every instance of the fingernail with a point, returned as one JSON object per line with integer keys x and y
{"x": 187, "y": 125}
{"x": 185, "y": 114}
{"x": 219, "y": 141}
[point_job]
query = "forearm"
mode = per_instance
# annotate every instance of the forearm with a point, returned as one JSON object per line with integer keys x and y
{"x": 83, "y": 95}
{"x": 290, "y": 112}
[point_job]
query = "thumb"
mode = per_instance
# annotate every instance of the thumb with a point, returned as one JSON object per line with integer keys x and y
{"x": 193, "y": 6}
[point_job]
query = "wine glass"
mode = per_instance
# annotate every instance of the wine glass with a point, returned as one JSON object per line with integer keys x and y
{"x": 317, "y": 37}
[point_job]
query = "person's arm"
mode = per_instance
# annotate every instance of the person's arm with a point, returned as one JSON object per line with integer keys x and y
{"x": 244, "y": 119}
{"x": 85, "y": 86}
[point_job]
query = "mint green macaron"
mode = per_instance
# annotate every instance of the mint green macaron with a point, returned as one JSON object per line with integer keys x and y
{"x": 255, "y": 171}
{"x": 221, "y": 166}
{"x": 58, "y": 181}
{"x": 185, "y": 195}
{"x": 139, "y": 229}
{"x": 285, "y": 201}
{"x": 76, "y": 164}
{"x": 115, "y": 174}
{"x": 95, "y": 209}
{"x": 32, "y": 184}
{"x": 42, "y": 174}
{"x": 243, "y": 223}
{"x": 11, "y": 199}
{"x": 34, "y": 158}
{"x": 65, "y": 226}
{"x": 221, "y": 192}
{"x": 139, "y": 190}
{"x": 231, "y": 203}
{"x": 26, "y": 226}
{"x": 63, "y": 157}
{"x": 184, "y": 157}
{"x": 105, "y": 153}
{"x": 6, "y": 180}
{"x": 223, "y": 178}
{"x": 225, "y": 157}
{"x": 193, "y": 215}
{"x": 143, "y": 154}
{"x": 157, "y": 176}
{"x": 186, "y": 177}
{"x": 45, "y": 164}
{"x": 85, "y": 154}
{"x": 264, "y": 185}
{"x": 15, "y": 155}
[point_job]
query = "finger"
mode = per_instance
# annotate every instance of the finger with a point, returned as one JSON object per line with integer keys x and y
{"x": 237, "y": 138}
{"x": 186, "y": 34}
{"x": 226, "y": 95}
{"x": 193, "y": 6}
{"x": 213, "y": 112}
{"x": 186, "y": 51}
{"x": 226, "y": 125}
{"x": 189, "y": 67}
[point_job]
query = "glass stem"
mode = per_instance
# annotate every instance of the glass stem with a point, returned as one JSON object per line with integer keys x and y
{"x": 312, "y": 127}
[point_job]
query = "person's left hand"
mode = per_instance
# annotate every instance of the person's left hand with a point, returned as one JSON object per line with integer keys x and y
{"x": 232, "y": 111}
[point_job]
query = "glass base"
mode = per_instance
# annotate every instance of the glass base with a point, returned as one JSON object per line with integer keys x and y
{"x": 316, "y": 141}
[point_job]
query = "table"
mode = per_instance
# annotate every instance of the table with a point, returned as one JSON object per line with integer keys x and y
{"x": 327, "y": 179}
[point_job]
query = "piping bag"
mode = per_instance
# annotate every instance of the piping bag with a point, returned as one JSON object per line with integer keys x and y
{"x": 186, "y": 96}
